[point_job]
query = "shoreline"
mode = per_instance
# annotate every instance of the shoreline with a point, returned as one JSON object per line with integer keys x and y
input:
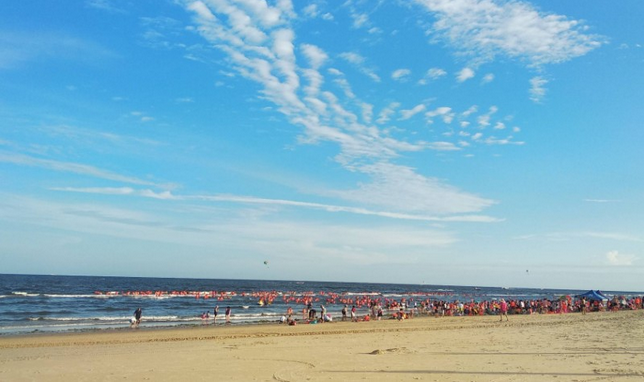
{"x": 259, "y": 330}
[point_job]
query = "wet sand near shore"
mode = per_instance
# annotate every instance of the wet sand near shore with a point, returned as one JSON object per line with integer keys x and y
{"x": 571, "y": 347}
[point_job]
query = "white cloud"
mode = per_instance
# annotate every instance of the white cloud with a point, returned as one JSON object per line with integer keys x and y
{"x": 617, "y": 259}
{"x": 371, "y": 74}
{"x": 70, "y": 167}
{"x": 444, "y": 112}
{"x": 104, "y": 5}
{"x": 360, "y": 20}
{"x": 385, "y": 114}
{"x": 367, "y": 112}
{"x": 487, "y": 78}
{"x": 464, "y": 75}
{"x": 311, "y": 10}
{"x": 352, "y": 57}
{"x": 340, "y": 209}
{"x": 344, "y": 85}
{"x": 471, "y": 110}
{"x": 563, "y": 236}
{"x": 432, "y": 75}
{"x": 443, "y": 146}
{"x": 316, "y": 56}
{"x": 537, "y": 89}
{"x": 436, "y": 73}
{"x": 406, "y": 114}
{"x": 483, "y": 120}
{"x": 358, "y": 61}
{"x": 611, "y": 236}
{"x": 202, "y": 10}
{"x": 601, "y": 200}
{"x": 420, "y": 194}
{"x": 501, "y": 141}
{"x": 483, "y": 29}
{"x": 167, "y": 195}
{"x": 400, "y": 74}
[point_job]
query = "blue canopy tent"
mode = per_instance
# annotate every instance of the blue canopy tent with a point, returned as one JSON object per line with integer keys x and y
{"x": 593, "y": 295}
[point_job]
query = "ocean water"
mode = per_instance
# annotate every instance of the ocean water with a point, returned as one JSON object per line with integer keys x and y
{"x": 39, "y": 303}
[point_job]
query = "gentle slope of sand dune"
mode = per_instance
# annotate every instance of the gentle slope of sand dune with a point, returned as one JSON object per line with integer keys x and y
{"x": 572, "y": 347}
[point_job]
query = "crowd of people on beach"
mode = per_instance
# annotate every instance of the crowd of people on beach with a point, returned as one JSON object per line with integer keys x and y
{"x": 379, "y": 307}
{"x": 404, "y": 309}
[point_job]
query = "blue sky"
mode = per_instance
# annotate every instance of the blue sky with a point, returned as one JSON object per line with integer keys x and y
{"x": 467, "y": 142}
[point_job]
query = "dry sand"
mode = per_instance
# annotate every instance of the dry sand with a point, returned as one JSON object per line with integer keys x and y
{"x": 594, "y": 347}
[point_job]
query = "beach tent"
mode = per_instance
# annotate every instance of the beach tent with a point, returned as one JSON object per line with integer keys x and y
{"x": 593, "y": 296}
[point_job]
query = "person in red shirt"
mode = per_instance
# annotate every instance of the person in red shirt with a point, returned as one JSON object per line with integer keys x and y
{"x": 503, "y": 310}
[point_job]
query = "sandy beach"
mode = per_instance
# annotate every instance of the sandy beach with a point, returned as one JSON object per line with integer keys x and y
{"x": 570, "y": 347}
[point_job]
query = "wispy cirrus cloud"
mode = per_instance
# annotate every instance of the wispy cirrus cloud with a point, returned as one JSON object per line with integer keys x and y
{"x": 76, "y": 168}
{"x": 359, "y": 62}
{"x": 444, "y": 112}
{"x": 264, "y": 51}
{"x": 487, "y": 78}
{"x": 601, "y": 200}
{"x": 105, "y": 5}
{"x": 406, "y": 114}
{"x": 234, "y": 234}
{"x": 168, "y": 195}
{"x": 385, "y": 191}
{"x": 401, "y": 74}
{"x": 484, "y": 29}
{"x": 147, "y": 193}
{"x": 19, "y": 48}
{"x": 436, "y": 73}
{"x": 537, "y": 88}
{"x": 564, "y": 236}
{"x": 432, "y": 74}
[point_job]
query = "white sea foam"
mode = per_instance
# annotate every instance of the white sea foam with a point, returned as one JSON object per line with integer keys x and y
{"x": 26, "y": 294}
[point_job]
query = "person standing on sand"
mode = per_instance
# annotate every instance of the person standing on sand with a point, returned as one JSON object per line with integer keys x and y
{"x": 503, "y": 310}
{"x": 322, "y": 312}
{"x": 582, "y": 304}
{"x": 228, "y": 315}
{"x": 216, "y": 312}
{"x": 137, "y": 318}
{"x": 344, "y": 312}
{"x": 354, "y": 318}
